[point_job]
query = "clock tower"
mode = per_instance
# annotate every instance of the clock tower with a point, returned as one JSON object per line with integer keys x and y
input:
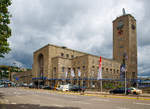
{"x": 125, "y": 43}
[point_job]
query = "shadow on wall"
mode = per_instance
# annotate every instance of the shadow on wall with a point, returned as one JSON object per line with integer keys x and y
{"x": 31, "y": 106}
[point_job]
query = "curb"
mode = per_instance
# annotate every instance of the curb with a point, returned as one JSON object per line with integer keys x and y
{"x": 89, "y": 94}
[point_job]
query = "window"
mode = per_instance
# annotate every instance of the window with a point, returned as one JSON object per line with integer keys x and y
{"x": 117, "y": 71}
{"x": 121, "y": 47}
{"x": 72, "y": 56}
{"x": 93, "y": 66}
{"x": 62, "y": 54}
{"x": 67, "y": 55}
{"x": 102, "y": 68}
{"x": 54, "y": 69}
{"x": 69, "y": 69}
{"x": 114, "y": 71}
{"x": 74, "y": 70}
{"x": 63, "y": 69}
{"x": 110, "y": 70}
{"x": 78, "y": 68}
{"x": 106, "y": 69}
{"x": 84, "y": 67}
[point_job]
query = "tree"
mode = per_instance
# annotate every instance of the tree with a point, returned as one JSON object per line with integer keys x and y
{"x": 5, "y": 31}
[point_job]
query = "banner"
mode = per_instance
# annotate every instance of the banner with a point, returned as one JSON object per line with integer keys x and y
{"x": 122, "y": 71}
{"x": 72, "y": 73}
{"x": 100, "y": 69}
{"x": 79, "y": 73}
{"x": 66, "y": 74}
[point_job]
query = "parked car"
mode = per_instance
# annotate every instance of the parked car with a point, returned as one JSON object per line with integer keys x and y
{"x": 41, "y": 86}
{"x": 25, "y": 85}
{"x": 119, "y": 91}
{"x": 1, "y": 85}
{"x": 136, "y": 91}
{"x": 60, "y": 88}
{"x": 75, "y": 88}
{"x": 78, "y": 88}
{"x": 31, "y": 85}
{"x": 48, "y": 87}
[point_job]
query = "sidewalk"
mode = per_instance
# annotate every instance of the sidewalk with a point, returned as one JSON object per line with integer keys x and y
{"x": 107, "y": 93}
{"x": 98, "y": 94}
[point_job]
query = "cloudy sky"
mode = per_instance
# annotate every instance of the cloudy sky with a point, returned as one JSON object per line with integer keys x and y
{"x": 84, "y": 25}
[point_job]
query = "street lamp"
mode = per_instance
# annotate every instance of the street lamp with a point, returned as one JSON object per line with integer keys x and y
{"x": 125, "y": 70}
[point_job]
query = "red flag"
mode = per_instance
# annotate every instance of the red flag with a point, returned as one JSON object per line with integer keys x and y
{"x": 100, "y": 62}
{"x": 100, "y": 69}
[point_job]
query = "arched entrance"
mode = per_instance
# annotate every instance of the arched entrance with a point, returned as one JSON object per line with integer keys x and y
{"x": 40, "y": 65}
{"x": 40, "y": 80}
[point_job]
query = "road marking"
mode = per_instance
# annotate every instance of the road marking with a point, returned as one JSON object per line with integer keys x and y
{"x": 141, "y": 103}
{"x": 85, "y": 103}
{"x": 105, "y": 100}
{"x": 58, "y": 105}
{"x": 122, "y": 108}
{"x": 81, "y": 102}
{"x": 13, "y": 103}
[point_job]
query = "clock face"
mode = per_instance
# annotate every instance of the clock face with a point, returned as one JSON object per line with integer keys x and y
{"x": 133, "y": 26}
{"x": 120, "y": 25}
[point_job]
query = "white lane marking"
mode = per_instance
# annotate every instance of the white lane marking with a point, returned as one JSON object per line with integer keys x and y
{"x": 58, "y": 105}
{"x": 122, "y": 108}
{"x": 85, "y": 103}
{"x": 81, "y": 102}
{"x": 13, "y": 103}
{"x": 105, "y": 100}
{"x": 141, "y": 103}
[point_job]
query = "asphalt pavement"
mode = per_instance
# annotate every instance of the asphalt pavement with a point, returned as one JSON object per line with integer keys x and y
{"x": 18, "y": 98}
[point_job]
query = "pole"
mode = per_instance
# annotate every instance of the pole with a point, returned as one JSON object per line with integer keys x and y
{"x": 125, "y": 83}
{"x": 101, "y": 85}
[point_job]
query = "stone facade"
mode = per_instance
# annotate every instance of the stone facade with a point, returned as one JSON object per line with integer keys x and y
{"x": 62, "y": 60}
{"x": 125, "y": 43}
{"x": 22, "y": 77}
{"x": 53, "y": 61}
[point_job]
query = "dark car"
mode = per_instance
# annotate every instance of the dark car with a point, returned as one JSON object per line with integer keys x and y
{"x": 75, "y": 88}
{"x": 119, "y": 91}
{"x": 47, "y": 87}
{"x": 78, "y": 88}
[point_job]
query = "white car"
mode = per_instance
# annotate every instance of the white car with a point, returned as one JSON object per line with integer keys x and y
{"x": 2, "y": 85}
{"x": 136, "y": 91}
{"x": 60, "y": 88}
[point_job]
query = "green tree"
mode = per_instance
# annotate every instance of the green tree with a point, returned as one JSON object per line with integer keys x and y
{"x": 5, "y": 31}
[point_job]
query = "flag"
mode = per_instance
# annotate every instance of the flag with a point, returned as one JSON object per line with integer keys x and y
{"x": 100, "y": 69}
{"x": 79, "y": 73}
{"x": 72, "y": 73}
{"x": 122, "y": 71}
{"x": 66, "y": 74}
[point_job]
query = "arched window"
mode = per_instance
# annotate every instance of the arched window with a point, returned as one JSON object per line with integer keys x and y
{"x": 41, "y": 65}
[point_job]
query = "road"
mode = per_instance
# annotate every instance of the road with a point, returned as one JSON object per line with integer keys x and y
{"x": 17, "y": 98}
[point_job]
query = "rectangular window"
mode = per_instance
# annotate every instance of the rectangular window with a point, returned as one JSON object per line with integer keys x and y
{"x": 114, "y": 71}
{"x": 78, "y": 68}
{"x": 67, "y": 55}
{"x": 63, "y": 69}
{"x": 106, "y": 69}
{"x": 62, "y": 54}
{"x": 84, "y": 67}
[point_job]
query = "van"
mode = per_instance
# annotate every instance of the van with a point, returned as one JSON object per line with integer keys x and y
{"x": 67, "y": 87}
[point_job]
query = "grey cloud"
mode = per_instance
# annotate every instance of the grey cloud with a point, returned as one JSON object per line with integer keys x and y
{"x": 83, "y": 25}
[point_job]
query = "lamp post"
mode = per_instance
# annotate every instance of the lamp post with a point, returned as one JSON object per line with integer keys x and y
{"x": 125, "y": 71}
